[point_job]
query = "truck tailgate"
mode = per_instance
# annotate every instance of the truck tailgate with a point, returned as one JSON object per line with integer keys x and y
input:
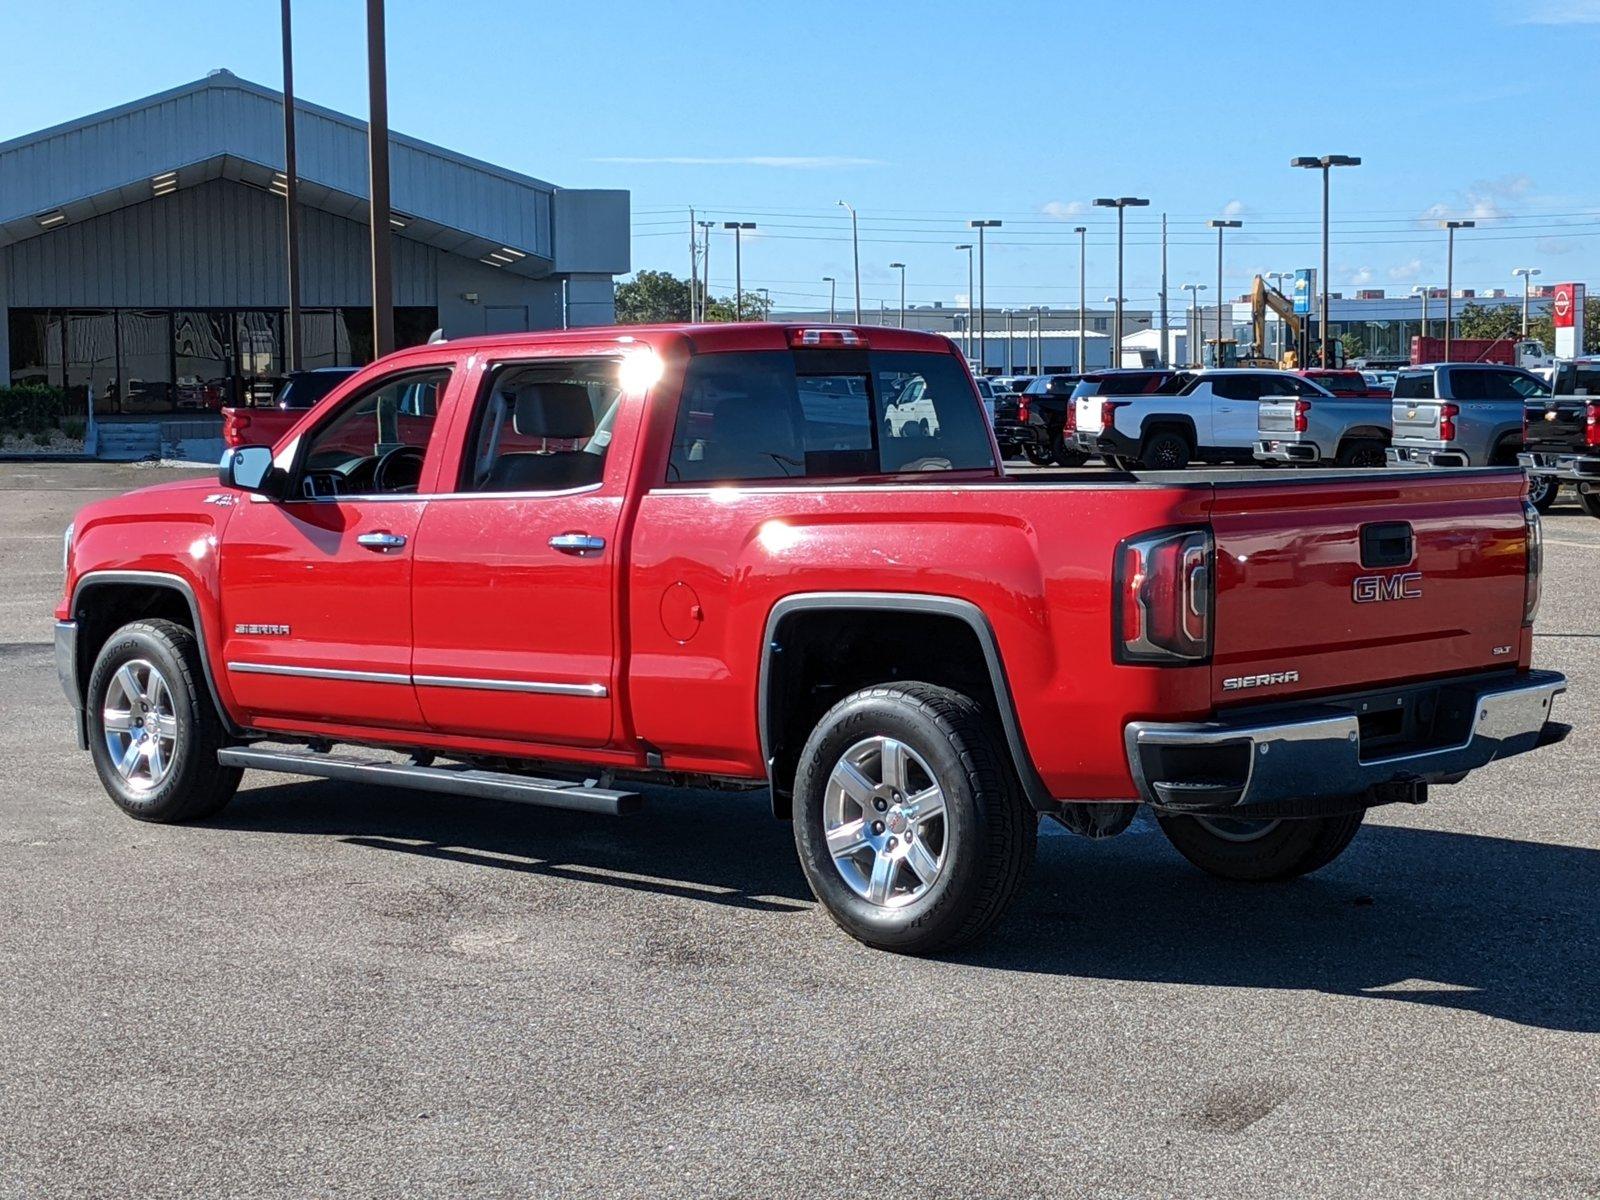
{"x": 1416, "y": 419}
{"x": 1276, "y": 416}
{"x": 1298, "y": 613}
{"x": 1557, "y": 425}
{"x": 1086, "y": 414}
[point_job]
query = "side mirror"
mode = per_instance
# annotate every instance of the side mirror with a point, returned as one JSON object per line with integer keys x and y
{"x": 248, "y": 468}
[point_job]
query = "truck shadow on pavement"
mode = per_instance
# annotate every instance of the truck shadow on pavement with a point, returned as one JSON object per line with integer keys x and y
{"x": 1490, "y": 925}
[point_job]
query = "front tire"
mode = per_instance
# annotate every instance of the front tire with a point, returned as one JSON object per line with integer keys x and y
{"x": 908, "y": 819}
{"x": 153, "y": 730}
{"x": 1249, "y": 851}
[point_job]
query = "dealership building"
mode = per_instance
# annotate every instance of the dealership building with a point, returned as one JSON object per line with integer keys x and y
{"x": 142, "y": 249}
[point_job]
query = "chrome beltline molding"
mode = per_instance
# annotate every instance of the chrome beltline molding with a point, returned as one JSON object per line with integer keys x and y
{"x": 597, "y": 691}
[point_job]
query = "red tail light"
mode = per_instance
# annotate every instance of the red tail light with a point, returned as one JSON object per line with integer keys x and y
{"x": 1164, "y": 598}
{"x": 1108, "y": 413}
{"x": 1447, "y": 421}
{"x": 1301, "y": 408}
{"x": 1022, "y": 409}
{"x": 1071, "y": 424}
{"x": 234, "y": 423}
{"x": 1591, "y": 424}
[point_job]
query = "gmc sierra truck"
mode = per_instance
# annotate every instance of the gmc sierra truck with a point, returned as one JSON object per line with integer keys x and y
{"x": 1561, "y": 434}
{"x": 550, "y": 567}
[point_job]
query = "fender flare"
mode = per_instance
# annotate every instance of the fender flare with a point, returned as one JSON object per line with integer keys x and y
{"x": 914, "y": 602}
{"x": 173, "y": 583}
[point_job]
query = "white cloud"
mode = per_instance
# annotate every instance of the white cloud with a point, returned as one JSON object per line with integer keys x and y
{"x": 1233, "y": 208}
{"x": 1361, "y": 276}
{"x": 1482, "y": 200}
{"x": 1406, "y": 272}
{"x": 1064, "y": 210}
{"x": 815, "y": 162}
{"x": 1562, "y": 12}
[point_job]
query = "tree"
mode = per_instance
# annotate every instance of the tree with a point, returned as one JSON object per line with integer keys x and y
{"x": 756, "y": 308}
{"x": 1485, "y": 321}
{"x": 1354, "y": 347}
{"x": 651, "y": 297}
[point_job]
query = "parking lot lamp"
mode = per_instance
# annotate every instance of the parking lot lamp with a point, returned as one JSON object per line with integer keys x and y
{"x": 833, "y": 297}
{"x": 1219, "y": 226}
{"x": 1194, "y": 290}
{"x": 1423, "y": 290}
{"x": 901, "y": 267}
{"x": 1276, "y": 349}
{"x": 1119, "y": 203}
{"x": 1082, "y": 232}
{"x": 855, "y": 250}
{"x": 1450, "y": 228}
{"x": 967, "y": 329}
{"x": 705, "y": 263}
{"x": 1323, "y": 164}
{"x": 1527, "y": 274}
{"x": 983, "y": 295}
{"x": 738, "y": 228}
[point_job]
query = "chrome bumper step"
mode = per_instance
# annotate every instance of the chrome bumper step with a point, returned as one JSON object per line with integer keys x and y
{"x": 454, "y": 780}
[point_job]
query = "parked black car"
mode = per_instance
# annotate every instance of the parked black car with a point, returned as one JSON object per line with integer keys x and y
{"x": 1039, "y": 422}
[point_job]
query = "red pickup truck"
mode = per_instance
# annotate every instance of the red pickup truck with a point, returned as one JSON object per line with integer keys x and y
{"x": 547, "y": 567}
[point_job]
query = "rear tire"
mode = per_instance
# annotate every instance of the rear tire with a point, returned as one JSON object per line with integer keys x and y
{"x": 1590, "y": 503}
{"x": 1038, "y": 455}
{"x": 895, "y": 872}
{"x": 1066, "y": 456}
{"x": 1260, "y": 851}
{"x": 1165, "y": 451}
{"x": 153, "y": 730}
{"x": 1542, "y": 491}
{"x": 1363, "y": 452}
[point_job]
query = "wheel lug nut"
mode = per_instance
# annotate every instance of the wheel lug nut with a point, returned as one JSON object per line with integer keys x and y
{"x": 908, "y": 837}
{"x": 880, "y": 804}
{"x": 877, "y": 827}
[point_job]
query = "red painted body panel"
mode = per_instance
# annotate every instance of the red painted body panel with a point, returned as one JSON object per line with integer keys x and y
{"x": 670, "y": 618}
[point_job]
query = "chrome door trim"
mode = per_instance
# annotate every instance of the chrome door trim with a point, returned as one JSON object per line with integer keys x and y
{"x": 336, "y": 673}
{"x": 597, "y": 691}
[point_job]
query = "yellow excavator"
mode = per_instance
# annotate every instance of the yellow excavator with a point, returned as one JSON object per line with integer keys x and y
{"x": 1262, "y": 297}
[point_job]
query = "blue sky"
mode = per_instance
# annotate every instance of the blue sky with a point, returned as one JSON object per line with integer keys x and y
{"x": 925, "y": 114}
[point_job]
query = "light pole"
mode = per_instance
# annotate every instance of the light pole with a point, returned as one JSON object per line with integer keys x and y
{"x": 378, "y": 212}
{"x": 1194, "y": 289}
{"x": 1082, "y": 232}
{"x": 1010, "y": 365}
{"x": 833, "y": 297}
{"x": 738, "y": 228}
{"x": 1276, "y": 349}
{"x": 901, "y": 267}
{"x": 1219, "y": 226}
{"x": 983, "y": 297}
{"x": 705, "y": 263}
{"x": 967, "y": 332}
{"x": 1038, "y": 337}
{"x": 1423, "y": 290}
{"x": 1033, "y": 340}
{"x": 291, "y": 202}
{"x": 1119, "y": 203}
{"x": 1450, "y": 276}
{"x": 855, "y": 250}
{"x": 1323, "y": 164}
{"x": 1527, "y": 274}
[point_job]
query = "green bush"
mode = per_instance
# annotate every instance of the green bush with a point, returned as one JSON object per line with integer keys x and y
{"x": 43, "y": 438}
{"x": 31, "y": 408}
{"x": 74, "y": 428}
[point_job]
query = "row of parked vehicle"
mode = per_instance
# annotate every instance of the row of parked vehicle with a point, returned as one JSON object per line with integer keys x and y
{"x": 1439, "y": 415}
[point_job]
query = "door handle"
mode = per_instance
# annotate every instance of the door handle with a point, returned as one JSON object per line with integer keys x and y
{"x": 577, "y": 543}
{"x": 381, "y": 540}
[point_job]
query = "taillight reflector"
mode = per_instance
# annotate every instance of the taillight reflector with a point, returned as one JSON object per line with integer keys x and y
{"x": 1301, "y": 408}
{"x": 1591, "y": 424}
{"x": 1164, "y": 598}
{"x": 1108, "y": 413}
{"x": 1447, "y": 421}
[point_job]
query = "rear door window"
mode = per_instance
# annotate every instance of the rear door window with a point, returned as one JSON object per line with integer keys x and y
{"x": 1585, "y": 381}
{"x": 1469, "y": 385}
{"x": 815, "y": 415}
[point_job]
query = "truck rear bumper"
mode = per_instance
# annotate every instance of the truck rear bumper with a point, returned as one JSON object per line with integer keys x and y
{"x": 1575, "y": 468}
{"x": 1305, "y": 760}
{"x": 1280, "y": 450}
{"x": 1424, "y": 456}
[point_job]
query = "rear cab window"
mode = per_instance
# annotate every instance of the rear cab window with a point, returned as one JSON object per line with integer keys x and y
{"x": 1417, "y": 385}
{"x": 825, "y": 414}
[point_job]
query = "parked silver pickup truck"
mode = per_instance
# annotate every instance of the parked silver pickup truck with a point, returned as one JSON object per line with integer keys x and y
{"x": 1347, "y": 431}
{"x": 1460, "y": 414}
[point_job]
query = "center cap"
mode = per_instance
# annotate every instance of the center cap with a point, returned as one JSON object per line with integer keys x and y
{"x": 896, "y": 820}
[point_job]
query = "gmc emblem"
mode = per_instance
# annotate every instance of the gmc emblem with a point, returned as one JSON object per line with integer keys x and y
{"x": 1370, "y": 589}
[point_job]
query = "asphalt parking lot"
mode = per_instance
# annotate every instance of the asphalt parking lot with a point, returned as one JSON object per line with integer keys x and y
{"x": 343, "y": 991}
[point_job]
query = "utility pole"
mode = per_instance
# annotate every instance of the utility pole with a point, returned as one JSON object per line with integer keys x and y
{"x": 833, "y": 297}
{"x": 705, "y": 282}
{"x": 1161, "y": 357}
{"x": 1219, "y": 226}
{"x": 1081, "y": 231}
{"x": 967, "y": 332}
{"x": 694, "y": 265}
{"x": 291, "y": 199}
{"x": 378, "y": 213}
{"x": 1450, "y": 277}
{"x": 855, "y": 248}
{"x": 902, "y": 268}
{"x": 1119, "y": 203}
{"x": 1010, "y": 364}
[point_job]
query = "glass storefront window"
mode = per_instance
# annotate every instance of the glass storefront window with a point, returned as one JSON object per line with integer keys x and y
{"x": 35, "y": 336}
{"x": 202, "y": 344}
{"x": 145, "y": 344}
{"x": 92, "y": 361}
{"x": 260, "y": 342}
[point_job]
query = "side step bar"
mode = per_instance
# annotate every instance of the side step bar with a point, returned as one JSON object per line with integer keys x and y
{"x": 453, "y": 780}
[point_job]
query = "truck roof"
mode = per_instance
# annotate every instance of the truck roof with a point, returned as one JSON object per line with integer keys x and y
{"x": 702, "y": 338}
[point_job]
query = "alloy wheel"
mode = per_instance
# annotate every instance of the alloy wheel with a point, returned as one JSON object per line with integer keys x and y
{"x": 140, "y": 725}
{"x": 883, "y": 815}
